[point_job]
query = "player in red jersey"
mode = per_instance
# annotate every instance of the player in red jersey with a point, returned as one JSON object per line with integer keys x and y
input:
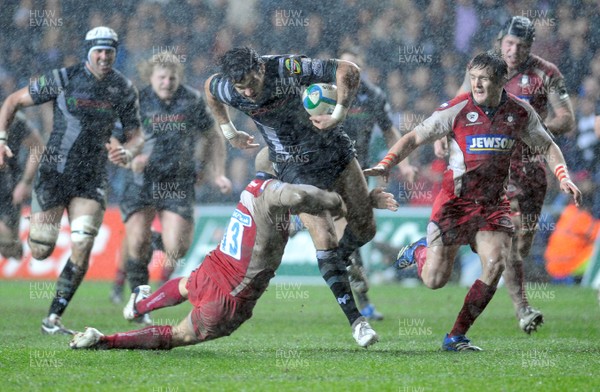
{"x": 231, "y": 279}
{"x": 541, "y": 84}
{"x": 482, "y": 130}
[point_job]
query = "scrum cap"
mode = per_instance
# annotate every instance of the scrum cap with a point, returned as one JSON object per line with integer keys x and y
{"x": 520, "y": 27}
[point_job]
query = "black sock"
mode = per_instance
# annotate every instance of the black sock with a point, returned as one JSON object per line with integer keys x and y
{"x": 68, "y": 281}
{"x": 348, "y": 244}
{"x": 333, "y": 270}
{"x": 137, "y": 273}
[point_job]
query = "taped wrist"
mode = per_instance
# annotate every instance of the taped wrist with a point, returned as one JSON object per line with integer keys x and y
{"x": 229, "y": 130}
{"x": 339, "y": 113}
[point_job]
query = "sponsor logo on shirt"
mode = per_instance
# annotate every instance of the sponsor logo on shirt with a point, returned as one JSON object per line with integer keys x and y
{"x": 244, "y": 219}
{"x": 293, "y": 66}
{"x": 490, "y": 144}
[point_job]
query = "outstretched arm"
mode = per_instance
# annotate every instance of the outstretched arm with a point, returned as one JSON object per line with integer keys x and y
{"x": 238, "y": 139}
{"x": 403, "y": 147}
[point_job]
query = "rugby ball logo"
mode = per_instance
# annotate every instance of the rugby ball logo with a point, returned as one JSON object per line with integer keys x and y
{"x": 319, "y": 98}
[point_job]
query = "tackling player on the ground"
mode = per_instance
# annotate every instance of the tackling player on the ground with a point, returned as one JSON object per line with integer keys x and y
{"x": 178, "y": 132}
{"x": 88, "y": 98}
{"x": 482, "y": 127}
{"x": 231, "y": 279}
{"x": 15, "y": 182}
{"x": 304, "y": 149}
{"x": 540, "y": 83}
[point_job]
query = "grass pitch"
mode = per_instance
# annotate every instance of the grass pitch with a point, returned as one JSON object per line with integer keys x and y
{"x": 298, "y": 340}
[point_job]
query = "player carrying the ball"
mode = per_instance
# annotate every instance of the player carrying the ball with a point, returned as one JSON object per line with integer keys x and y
{"x": 227, "y": 285}
{"x": 304, "y": 149}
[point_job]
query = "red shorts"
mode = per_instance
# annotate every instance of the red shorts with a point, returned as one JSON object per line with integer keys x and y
{"x": 460, "y": 219}
{"x": 216, "y": 313}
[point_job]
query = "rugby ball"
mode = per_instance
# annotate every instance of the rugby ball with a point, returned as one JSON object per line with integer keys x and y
{"x": 319, "y": 98}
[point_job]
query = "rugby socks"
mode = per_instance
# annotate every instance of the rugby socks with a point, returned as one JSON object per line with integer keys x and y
{"x": 137, "y": 273}
{"x": 68, "y": 281}
{"x": 333, "y": 270}
{"x": 156, "y": 337}
{"x": 476, "y": 300}
{"x": 166, "y": 295}
{"x": 348, "y": 244}
{"x": 420, "y": 257}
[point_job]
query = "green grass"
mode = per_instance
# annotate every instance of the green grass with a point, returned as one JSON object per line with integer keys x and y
{"x": 305, "y": 344}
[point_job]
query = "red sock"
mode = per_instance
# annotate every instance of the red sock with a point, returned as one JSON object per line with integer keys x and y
{"x": 167, "y": 295}
{"x": 476, "y": 300}
{"x": 420, "y": 256}
{"x": 157, "y": 337}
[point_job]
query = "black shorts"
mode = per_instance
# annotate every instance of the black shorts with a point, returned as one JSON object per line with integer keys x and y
{"x": 321, "y": 168}
{"x": 52, "y": 189}
{"x": 172, "y": 195}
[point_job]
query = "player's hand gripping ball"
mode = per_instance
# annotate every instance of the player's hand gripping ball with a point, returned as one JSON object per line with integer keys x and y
{"x": 319, "y": 98}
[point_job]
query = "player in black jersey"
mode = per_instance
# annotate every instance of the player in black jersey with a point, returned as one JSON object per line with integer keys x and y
{"x": 88, "y": 99}
{"x": 15, "y": 183}
{"x": 304, "y": 149}
{"x": 178, "y": 132}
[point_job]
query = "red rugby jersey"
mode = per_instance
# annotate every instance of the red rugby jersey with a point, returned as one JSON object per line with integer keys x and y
{"x": 481, "y": 146}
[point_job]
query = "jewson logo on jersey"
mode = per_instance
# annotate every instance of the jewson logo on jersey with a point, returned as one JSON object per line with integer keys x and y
{"x": 490, "y": 144}
{"x": 162, "y": 123}
{"x": 413, "y": 54}
{"x": 244, "y": 219}
{"x": 539, "y": 18}
{"x": 288, "y": 86}
{"x": 290, "y": 18}
{"x": 44, "y": 18}
{"x": 168, "y": 54}
{"x": 44, "y": 86}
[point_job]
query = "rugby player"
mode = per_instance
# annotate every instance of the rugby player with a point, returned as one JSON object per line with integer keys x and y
{"x": 483, "y": 128}
{"x": 89, "y": 98}
{"x": 15, "y": 182}
{"x": 179, "y": 135}
{"x": 225, "y": 288}
{"x": 540, "y": 83}
{"x": 304, "y": 149}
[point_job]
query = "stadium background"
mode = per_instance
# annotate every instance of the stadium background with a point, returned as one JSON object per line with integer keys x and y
{"x": 415, "y": 50}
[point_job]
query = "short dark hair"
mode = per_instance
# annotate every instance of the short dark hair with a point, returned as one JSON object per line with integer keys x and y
{"x": 238, "y": 62}
{"x": 492, "y": 60}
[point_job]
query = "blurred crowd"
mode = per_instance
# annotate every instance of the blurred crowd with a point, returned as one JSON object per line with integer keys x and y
{"x": 415, "y": 50}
